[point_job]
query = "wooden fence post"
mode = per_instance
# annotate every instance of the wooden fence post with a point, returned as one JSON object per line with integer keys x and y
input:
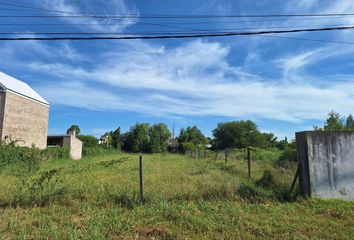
{"x": 141, "y": 178}
{"x": 249, "y": 161}
{"x": 226, "y": 155}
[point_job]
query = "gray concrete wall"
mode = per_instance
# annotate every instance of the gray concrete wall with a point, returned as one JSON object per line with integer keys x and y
{"x": 326, "y": 164}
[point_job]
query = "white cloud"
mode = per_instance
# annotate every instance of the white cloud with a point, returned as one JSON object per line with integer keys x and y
{"x": 100, "y": 7}
{"x": 194, "y": 78}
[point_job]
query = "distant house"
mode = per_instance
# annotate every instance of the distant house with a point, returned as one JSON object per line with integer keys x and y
{"x": 23, "y": 113}
{"x": 68, "y": 140}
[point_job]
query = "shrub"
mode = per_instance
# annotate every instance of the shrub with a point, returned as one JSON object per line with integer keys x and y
{"x": 55, "y": 153}
{"x": 267, "y": 180}
{"x": 249, "y": 192}
{"x": 29, "y": 157}
{"x": 287, "y": 157}
{"x": 88, "y": 141}
{"x": 97, "y": 151}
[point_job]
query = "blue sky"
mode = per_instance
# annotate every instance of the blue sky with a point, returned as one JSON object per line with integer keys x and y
{"x": 283, "y": 85}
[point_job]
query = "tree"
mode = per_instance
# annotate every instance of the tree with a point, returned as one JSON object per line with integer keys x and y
{"x": 137, "y": 138}
{"x": 116, "y": 138}
{"x": 191, "y": 137}
{"x": 335, "y": 122}
{"x": 349, "y": 123}
{"x": 74, "y": 127}
{"x": 282, "y": 144}
{"x": 106, "y": 139}
{"x": 240, "y": 134}
{"x": 158, "y": 138}
{"x": 269, "y": 140}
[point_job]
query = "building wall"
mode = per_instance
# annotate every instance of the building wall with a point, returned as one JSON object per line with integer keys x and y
{"x": 326, "y": 164}
{"x": 76, "y": 149}
{"x": 25, "y": 120}
{"x": 75, "y": 146}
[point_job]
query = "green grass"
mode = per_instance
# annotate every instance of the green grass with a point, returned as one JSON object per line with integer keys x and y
{"x": 185, "y": 198}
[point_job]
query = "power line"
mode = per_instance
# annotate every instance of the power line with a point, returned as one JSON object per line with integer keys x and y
{"x": 193, "y": 31}
{"x": 181, "y": 16}
{"x": 136, "y": 16}
{"x": 176, "y": 16}
{"x": 307, "y": 39}
{"x": 179, "y": 36}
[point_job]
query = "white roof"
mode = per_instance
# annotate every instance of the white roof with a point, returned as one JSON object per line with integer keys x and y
{"x": 14, "y": 85}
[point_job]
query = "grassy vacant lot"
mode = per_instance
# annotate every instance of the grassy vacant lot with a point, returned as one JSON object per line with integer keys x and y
{"x": 186, "y": 198}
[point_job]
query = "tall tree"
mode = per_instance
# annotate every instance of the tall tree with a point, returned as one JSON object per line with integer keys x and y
{"x": 137, "y": 138}
{"x": 74, "y": 127}
{"x": 334, "y": 122}
{"x": 158, "y": 138}
{"x": 349, "y": 123}
{"x": 116, "y": 138}
{"x": 239, "y": 134}
{"x": 191, "y": 137}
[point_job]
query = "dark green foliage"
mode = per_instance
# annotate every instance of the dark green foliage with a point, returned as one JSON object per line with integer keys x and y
{"x": 137, "y": 138}
{"x": 145, "y": 138}
{"x": 335, "y": 122}
{"x": 116, "y": 140}
{"x": 158, "y": 138}
{"x": 241, "y": 134}
{"x": 88, "y": 141}
{"x": 191, "y": 138}
{"x": 349, "y": 123}
{"x": 282, "y": 144}
{"x": 98, "y": 151}
{"x": 251, "y": 193}
{"x": 288, "y": 156}
{"x": 74, "y": 127}
{"x": 267, "y": 180}
{"x": 55, "y": 153}
{"x": 29, "y": 157}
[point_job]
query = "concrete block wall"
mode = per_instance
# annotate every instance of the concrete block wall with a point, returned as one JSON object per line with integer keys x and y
{"x": 74, "y": 144}
{"x": 23, "y": 119}
{"x": 326, "y": 161}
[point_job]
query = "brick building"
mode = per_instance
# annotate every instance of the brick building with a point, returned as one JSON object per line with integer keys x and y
{"x": 23, "y": 113}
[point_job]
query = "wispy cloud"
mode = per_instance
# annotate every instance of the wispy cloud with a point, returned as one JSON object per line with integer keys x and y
{"x": 192, "y": 78}
{"x": 100, "y": 7}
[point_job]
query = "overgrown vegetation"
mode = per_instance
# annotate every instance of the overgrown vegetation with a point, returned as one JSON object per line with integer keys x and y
{"x": 29, "y": 157}
{"x": 196, "y": 198}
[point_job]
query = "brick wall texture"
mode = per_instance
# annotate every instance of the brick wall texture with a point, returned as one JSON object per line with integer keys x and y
{"x": 23, "y": 119}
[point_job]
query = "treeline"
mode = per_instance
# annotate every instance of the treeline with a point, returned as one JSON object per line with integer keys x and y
{"x": 157, "y": 138}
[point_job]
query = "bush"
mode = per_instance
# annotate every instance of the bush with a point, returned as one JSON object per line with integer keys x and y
{"x": 267, "y": 180}
{"x": 251, "y": 193}
{"x": 88, "y": 141}
{"x": 287, "y": 157}
{"x": 97, "y": 151}
{"x": 30, "y": 157}
{"x": 55, "y": 153}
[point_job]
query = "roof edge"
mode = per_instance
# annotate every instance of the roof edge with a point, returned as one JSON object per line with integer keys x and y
{"x": 27, "y": 97}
